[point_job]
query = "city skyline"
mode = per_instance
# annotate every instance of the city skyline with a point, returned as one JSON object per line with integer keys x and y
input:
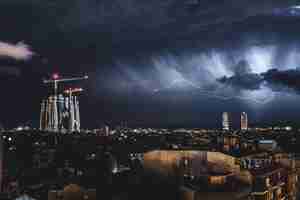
{"x": 139, "y": 99}
{"x": 178, "y": 68}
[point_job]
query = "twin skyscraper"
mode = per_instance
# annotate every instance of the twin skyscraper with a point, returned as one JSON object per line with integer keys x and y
{"x": 227, "y": 122}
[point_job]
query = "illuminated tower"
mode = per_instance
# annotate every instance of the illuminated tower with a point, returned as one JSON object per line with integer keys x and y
{"x": 52, "y": 114}
{"x": 244, "y": 121}
{"x": 72, "y": 114}
{"x": 43, "y": 115}
{"x": 77, "y": 114}
{"x": 106, "y": 131}
{"x": 73, "y": 107}
{"x": 49, "y": 114}
{"x": 46, "y": 115}
{"x": 61, "y": 111}
{"x": 55, "y": 114}
{"x": 225, "y": 121}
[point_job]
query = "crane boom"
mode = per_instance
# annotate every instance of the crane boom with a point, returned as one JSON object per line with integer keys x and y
{"x": 55, "y": 80}
{"x": 70, "y": 91}
{"x": 66, "y": 79}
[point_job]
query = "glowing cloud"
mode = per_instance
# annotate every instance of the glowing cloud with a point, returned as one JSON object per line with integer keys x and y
{"x": 295, "y": 7}
{"x": 260, "y": 58}
{"x": 198, "y": 72}
{"x": 19, "y": 51}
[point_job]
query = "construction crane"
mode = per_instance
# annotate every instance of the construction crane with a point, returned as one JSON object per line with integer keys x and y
{"x": 72, "y": 90}
{"x": 52, "y": 109}
{"x": 56, "y": 79}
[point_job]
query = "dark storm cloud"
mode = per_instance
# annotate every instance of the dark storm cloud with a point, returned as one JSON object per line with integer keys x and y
{"x": 277, "y": 80}
{"x": 122, "y": 22}
{"x": 243, "y": 77}
{"x": 9, "y": 71}
{"x": 169, "y": 18}
{"x": 139, "y": 23}
{"x": 145, "y": 14}
{"x": 245, "y": 81}
{"x": 242, "y": 68}
{"x": 113, "y": 26}
{"x": 283, "y": 79}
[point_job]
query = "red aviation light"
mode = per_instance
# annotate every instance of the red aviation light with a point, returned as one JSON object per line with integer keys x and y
{"x": 55, "y": 76}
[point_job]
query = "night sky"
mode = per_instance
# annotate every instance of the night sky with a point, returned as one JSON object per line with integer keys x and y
{"x": 155, "y": 63}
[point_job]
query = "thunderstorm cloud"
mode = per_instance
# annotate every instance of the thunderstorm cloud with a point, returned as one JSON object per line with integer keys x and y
{"x": 198, "y": 55}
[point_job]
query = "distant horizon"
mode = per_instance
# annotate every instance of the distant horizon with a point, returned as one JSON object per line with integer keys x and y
{"x": 178, "y": 126}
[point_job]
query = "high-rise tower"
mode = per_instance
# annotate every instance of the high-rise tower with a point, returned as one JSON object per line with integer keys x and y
{"x": 225, "y": 121}
{"x": 244, "y": 121}
{"x": 43, "y": 115}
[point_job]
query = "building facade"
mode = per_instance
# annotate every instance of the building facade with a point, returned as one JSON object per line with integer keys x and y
{"x": 226, "y": 121}
{"x": 244, "y": 121}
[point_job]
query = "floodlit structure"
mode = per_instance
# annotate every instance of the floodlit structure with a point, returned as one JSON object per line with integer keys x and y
{"x": 61, "y": 112}
{"x": 225, "y": 121}
{"x": 244, "y": 121}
